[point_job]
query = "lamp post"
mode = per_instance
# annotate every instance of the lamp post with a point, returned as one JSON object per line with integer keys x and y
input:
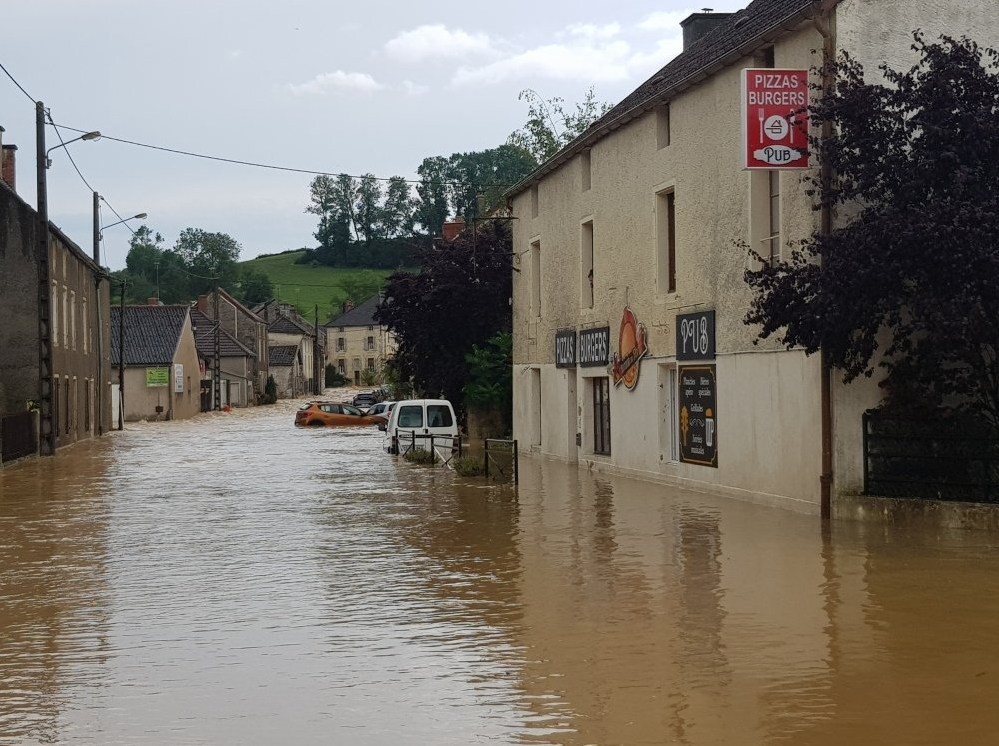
{"x": 46, "y": 424}
{"x": 98, "y": 235}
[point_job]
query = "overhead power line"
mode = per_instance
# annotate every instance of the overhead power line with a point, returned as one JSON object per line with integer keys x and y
{"x": 270, "y": 166}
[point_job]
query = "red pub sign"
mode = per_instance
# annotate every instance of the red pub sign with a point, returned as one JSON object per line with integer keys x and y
{"x": 774, "y": 125}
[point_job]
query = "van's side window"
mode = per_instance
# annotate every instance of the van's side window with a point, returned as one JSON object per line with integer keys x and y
{"x": 410, "y": 416}
{"x": 439, "y": 416}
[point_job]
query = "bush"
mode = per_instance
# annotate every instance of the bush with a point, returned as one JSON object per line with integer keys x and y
{"x": 333, "y": 377}
{"x": 420, "y": 456}
{"x": 469, "y": 466}
{"x": 270, "y": 391}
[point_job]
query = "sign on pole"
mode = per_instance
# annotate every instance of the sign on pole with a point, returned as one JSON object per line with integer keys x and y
{"x": 774, "y": 122}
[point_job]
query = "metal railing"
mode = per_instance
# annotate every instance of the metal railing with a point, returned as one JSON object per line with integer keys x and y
{"x": 948, "y": 458}
{"x": 501, "y": 457}
{"x": 444, "y": 447}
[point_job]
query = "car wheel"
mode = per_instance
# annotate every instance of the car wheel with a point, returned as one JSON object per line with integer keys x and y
{"x": 315, "y": 423}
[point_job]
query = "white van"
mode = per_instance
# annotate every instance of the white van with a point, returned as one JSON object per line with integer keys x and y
{"x": 413, "y": 421}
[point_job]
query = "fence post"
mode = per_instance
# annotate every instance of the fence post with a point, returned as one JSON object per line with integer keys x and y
{"x": 486, "y": 457}
{"x": 516, "y": 463}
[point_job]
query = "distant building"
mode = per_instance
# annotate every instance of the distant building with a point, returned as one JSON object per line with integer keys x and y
{"x": 250, "y": 330}
{"x": 285, "y": 326}
{"x": 356, "y": 343}
{"x": 237, "y": 369}
{"x": 162, "y": 372}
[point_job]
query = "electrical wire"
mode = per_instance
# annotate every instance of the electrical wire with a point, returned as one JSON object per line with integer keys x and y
{"x": 271, "y": 166}
{"x": 68, "y": 154}
{"x": 16, "y": 83}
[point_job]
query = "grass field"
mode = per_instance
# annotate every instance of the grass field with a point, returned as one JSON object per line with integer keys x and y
{"x": 306, "y": 286}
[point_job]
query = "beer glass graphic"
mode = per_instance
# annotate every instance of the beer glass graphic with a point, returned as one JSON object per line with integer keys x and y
{"x": 709, "y": 428}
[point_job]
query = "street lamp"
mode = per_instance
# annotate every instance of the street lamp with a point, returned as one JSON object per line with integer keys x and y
{"x": 98, "y": 235}
{"x": 95, "y": 135}
{"x": 46, "y": 423}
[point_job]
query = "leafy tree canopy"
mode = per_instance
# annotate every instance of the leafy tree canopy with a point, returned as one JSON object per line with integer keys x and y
{"x": 549, "y": 127}
{"x": 459, "y": 298}
{"x": 912, "y": 283}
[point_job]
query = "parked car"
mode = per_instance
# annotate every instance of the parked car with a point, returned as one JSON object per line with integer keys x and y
{"x": 332, "y": 414}
{"x": 412, "y": 422}
{"x": 382, "y": 409}
{"x": 365, "y": 399}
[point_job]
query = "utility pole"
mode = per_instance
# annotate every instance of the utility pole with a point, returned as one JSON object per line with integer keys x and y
{"x": 317, "y": 363}
{"x": 217, "y": 350}
{"x": 47, "y": 434}
{"x": 121, "y": 360}
{"x": 99, "y": 392}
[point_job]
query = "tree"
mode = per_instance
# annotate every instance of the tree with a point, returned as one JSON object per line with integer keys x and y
{"x": 549, "y": 128}
{"x": 432, "y": 206}
{"x": 459, "y": 298}
{"x": 333, "y": 231}
{"x": 255, "y": 286}
{"x": 368, "y": 208}
{"x": 397, "y": 212}
{"x": 912, "y": 283}
{"x": 209, "y": 256}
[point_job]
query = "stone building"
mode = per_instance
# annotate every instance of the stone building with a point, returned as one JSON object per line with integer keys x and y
{"x": 81, "y": 375}
{"x": 356, "y": 344}
{"x": 630, "y": 351}
{"x": 249, "y": 330}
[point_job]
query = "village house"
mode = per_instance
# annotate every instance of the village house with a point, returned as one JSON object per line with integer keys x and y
{"x": 161, "y": 368}
{"x": 249, "y": 330}
{"x": 237, "y": 364}
{"x": 358, "y": 346}
{"x": 73, "y": 359}
{"x": 286, "y": 327}
{"x": 630, "y": 351}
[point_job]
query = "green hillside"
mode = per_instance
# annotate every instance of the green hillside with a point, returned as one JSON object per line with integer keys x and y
{"x": 306, "y": 286}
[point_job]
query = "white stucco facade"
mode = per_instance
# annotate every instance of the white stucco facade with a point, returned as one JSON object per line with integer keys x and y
{"x": 609, "y": 207}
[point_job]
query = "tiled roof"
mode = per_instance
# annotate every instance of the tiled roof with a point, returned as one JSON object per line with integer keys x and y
{"x": 280, "y": 355}
{"x": 362, "y": 315}
{"x": 152, "y": 333}
{"x": 733, "y": 38}
{"x": 288, "y": 325}
{"x": 204, "y": 338}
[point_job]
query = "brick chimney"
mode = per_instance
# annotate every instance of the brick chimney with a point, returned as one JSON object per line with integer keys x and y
{"x": 154, "y": 301}
{"x": 453, "y": 228}
{"x": 203, "y": 304}
{"x": 348, "y": 305}
{"x": 9, "y": 174}
{"x": 697, "y": 25}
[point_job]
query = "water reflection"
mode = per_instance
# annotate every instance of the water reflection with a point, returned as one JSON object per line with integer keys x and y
{"x": 233, "y": 580}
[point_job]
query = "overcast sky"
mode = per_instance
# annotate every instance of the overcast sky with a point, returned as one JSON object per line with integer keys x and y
{"x": 317, "y": 85}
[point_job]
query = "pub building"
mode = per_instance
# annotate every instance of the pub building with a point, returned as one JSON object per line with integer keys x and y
{"x": 630, "y": 353}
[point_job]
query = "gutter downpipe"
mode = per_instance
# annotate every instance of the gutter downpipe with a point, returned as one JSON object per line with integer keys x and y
{"x": 825, "y": 25}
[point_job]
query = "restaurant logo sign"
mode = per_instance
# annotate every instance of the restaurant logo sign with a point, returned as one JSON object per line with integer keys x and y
{"x": 593, "y": 348}
{"x": 632, "y": 346}
{"x": 774, "y": 122}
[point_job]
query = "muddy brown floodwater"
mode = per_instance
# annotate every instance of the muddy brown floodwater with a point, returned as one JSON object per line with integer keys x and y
{"x": 234, "y": 580}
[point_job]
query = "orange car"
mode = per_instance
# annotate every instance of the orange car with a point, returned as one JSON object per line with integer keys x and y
{"x": 332, "y": 414}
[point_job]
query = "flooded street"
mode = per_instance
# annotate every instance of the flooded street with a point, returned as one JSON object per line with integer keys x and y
{"x": 235, "y": 580}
